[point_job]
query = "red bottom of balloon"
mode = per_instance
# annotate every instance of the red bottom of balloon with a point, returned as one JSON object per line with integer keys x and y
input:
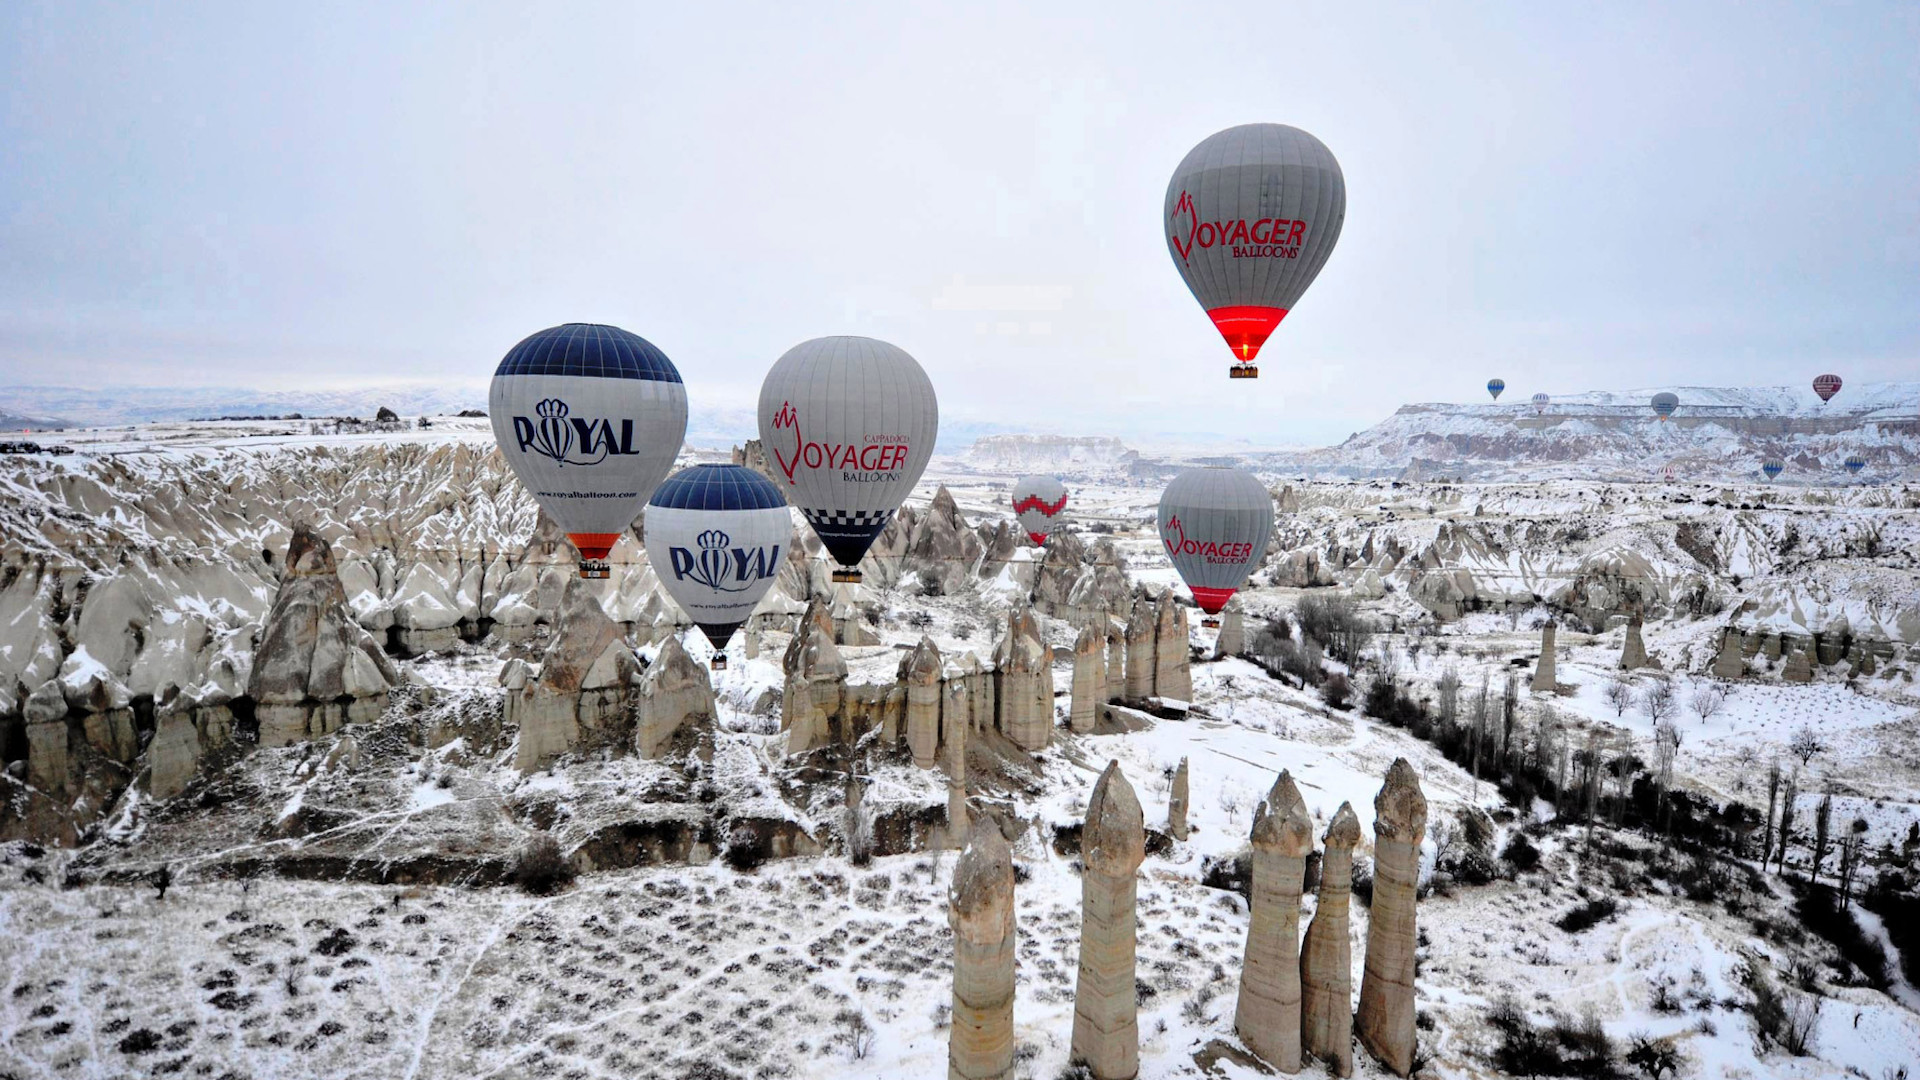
{"x": 1037, "y": 538}
{"x": 1246, "y": 326}
{"x": 594, "y": 546}
{"x": 1211, "y": 600}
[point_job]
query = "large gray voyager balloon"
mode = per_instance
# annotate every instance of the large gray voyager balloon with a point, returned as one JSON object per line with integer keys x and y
{"x": 848, "y": 424}
{"x": 1215, "y": 524}
{"x": 1251, "y": 215}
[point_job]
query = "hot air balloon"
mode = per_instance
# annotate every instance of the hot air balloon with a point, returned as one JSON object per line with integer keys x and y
{"x": 1540, "y": 404}
{"x": 1251, "y": 215}
{"x": 1855, "y": 463}
{"x": 1664, "y": 404}
{"x": 590, "y": 418}
{"x": 715, "y": 536}
{"x": 849, "y": 424}
{"x": 1039, "y": 503}
{"x": 1772, "y": 467}
{"x": 1494, "y": 386}
{"x": 1215, "y": 523}
{"x": 1826, "y": 386}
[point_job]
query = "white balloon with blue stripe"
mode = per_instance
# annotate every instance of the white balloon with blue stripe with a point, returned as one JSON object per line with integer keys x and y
{"x": 716, "y": 535}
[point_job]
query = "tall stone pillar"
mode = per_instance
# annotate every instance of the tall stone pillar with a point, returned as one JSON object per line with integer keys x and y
{"x": 1268, "y": 1015}
{"x": 1106, "y": 1025}
{"x": 1177, "y": 803}
{"x": 1089, "y": 651}
{"x": 1326, "y": 961}
{"x": 920, "y": 673}
{"x": 1633, "y": 654}
{"x": 1233, "y": 633}
{"x": 1116, "y": 674}
{"x": 1385, "y": 1017}
{"x": 815, "y": 685}
{"x": 1024, "y": 670}
{"x": 1140, "y": 652}
{"x": 980, "y": 910}
{"x": 953, "y": 757}
{"x": 1172, "y": 673}
{"x": 1544, "y": 679}
{"x": 1730, "y": 662}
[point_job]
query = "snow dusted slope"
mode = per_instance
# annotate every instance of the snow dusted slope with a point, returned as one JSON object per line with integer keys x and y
{"x": 1717, "y": 432}
{"x": 1055, "y": 455}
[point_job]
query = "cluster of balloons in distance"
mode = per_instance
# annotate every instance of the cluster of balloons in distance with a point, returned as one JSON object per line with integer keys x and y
{"x": 591, "y": 417}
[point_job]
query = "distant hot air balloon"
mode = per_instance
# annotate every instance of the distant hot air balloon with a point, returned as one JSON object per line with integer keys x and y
{"x": 1664, "y": 404}
{"x": 1215, "y": 523}
{"x": 1855, "y": 463}
{"x": 1494, "y": 386}
{"x": 1251, "y": 215}
{"x": 1772, "y": 467}
{"x": 1826, "y": 386}
{"x": 1039, "y": 503}
{"x": 1540, "y": 402}
{"x": 849, "y": 424}
{"x": 590, "y": 418}
{"x": 715, "y": 536}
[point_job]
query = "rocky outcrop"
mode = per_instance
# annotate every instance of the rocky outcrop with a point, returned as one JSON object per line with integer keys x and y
{"x": 1140, "y": 628}
{"x": 583, "y": 696}
{"x": 816, "y": 686}
{"x": 1172, "y": 675}
{"x": 941, "y": 547}
{"x": 1079, "y": 582}
{"x": 1089, "y": 678}
{"x": 1385, "y": 1017}
{"x": 676, "y": 691}
{"x": 1116, "y": 671}
{"x": 1268, "y": 1015}
{"x": 1326, "y": 960}
{"x": 1106, "y": 1028}
{"x": 1633, "y": 655}
{"x": 1024, "y": 668}
{"x": 46, "y": 717}
{"x": 980, "y": 911}
{"x": 920, "y": 673}
{"x": 1730, "y": 662}
{"x": 1177, "y": 803}
{"x": 314, "y": 668}
{"x": 1233, "y": 633}
{"x": 1544, "y": 677}
{"x": 1799, "y": 665}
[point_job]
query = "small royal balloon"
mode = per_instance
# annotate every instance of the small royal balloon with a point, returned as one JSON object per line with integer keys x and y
{"x": 1540, "y": 403}
{"x": 1773, "y": 467}
{"x": 1855, "y": 463}
{"x": 716, "y": 535}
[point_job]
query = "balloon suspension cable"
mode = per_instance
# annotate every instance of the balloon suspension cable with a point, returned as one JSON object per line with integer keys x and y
{"x": 595, "y": 569}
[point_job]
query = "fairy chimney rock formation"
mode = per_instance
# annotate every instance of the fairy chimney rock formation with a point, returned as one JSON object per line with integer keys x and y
{"x": 1731, "y": 663}
{"x": 1024, "y": 670}
{"x": 1106, "y": 1026}
{"x": 980, "y": 911}
{"x": 1233, "y": 633}
{"x": 816, "y": 683}
{"x": 1115, "y": 675}
{"x": 1544, "y": 679}
{"x": 1172, "y": 673}
{"x": 1633, "y": 655}
{"x": 1799, "y": 665}
{"x": 314, "y": 668}
{"x": 1140, "y": 652}
{"x": 1385, "y": 1017}
{"x": 1326, "y": 961}
{"x": 1177, "y": 803}
{"x": 1268, "y": 1015}
{"x": 920, "y": 674}
{"x": 1089, "y": 657}
{"x": 583, "y": 695}
{"x": 676, "y": 689}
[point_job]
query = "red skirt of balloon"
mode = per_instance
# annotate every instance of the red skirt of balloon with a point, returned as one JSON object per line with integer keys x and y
{"x": 1246, "y": 327}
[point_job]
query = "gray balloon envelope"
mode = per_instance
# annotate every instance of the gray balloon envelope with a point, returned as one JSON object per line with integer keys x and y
{"x": 1251, "y": 215}
{"x": 1664, "y": 403}
{"x": 1215, "y": 524}
{"x": 1040, "y": 504}
{"x": 849, "y": 425}
{"x": 716, "y": 535}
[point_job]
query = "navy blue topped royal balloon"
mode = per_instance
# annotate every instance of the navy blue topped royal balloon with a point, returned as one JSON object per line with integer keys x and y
{"x": 589, "y": 350}
{"x": 716, "y": 536}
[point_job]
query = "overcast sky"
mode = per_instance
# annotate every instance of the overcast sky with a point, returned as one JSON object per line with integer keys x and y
{"x": 1570, "y": 196}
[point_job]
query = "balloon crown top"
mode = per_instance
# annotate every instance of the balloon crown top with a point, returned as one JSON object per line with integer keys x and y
{"x": 713, "y": 540}
{"x": 551, "y": 409}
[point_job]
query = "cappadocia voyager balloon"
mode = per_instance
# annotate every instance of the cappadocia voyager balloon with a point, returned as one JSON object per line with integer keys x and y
{"x": 1772, "y": 467}
{"x": 1039, "y": 503}
{"x": 1215, "y": 523}
{"x": 590, "y": 418}
{"x": 1664, "y": 404}
{"x": 716, "y": 535}
{"x": 1855, "y": 463}
{"x": 1251, "y": 215}
{"x": 1495, "y": 386}
{"x": 848, "y": 424}
{"x": 1826, "y": 386}
{"x": 1540, "y": 402}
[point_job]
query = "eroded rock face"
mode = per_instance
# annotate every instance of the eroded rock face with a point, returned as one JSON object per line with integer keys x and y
{"x": 980, "y": 911}
{"x": 816, "y": 686}
{"x": 676, "y": 691}
{"x": 1544, "y": 677}
{"x": 920, "y": 673}
{"x": 1172, "y": 677}
{"x": 1140, "y": 652}
{"x": 1385, "y": 1017}
{"x": 1633, "y": 654}
{"x": 1799, "y": 666}
{"x": 583, "y": 696}
{"x": 1024, "y": 666}
{"x": 314, "y": 668}
{"x": 1177, "y": 803}
{"x": 1106, "y": 1026}
{"x": 1089, "y": 678}
{"x": 1233, "y": 633}
{"x": 1326, "y": 961}
{"x": 1731, "y": 662}
{"x": 1268, "y": 1015}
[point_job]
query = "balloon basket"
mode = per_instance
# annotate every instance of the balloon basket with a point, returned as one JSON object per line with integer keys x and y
{"x": 846, "y": 576}
{"x": 1210, "y": 623}
{"x": 597, "y": 571}
{"x": 1244, "y": 371}
{"x": 719, "y": 662}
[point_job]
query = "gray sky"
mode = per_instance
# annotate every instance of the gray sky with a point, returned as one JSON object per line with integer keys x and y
{"x": 1572, "y": 197}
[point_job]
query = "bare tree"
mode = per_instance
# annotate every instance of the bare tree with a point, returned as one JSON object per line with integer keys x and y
{"x": 1619, "y": 694}
{"x": 1822, "y": 832}
{"x": 1666, "y": 750}
{"x": 1657, "y": 700}
{"x": 1806, "y": 744}
{"x": 1850, "y": 848}
{"x": 1744, "y": 759}
{"x": 1773, "y": 800}
{"x": 1449, "y": 691}
{"x": 1787, "y": 800}
{"x": 1707, "y": 700}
